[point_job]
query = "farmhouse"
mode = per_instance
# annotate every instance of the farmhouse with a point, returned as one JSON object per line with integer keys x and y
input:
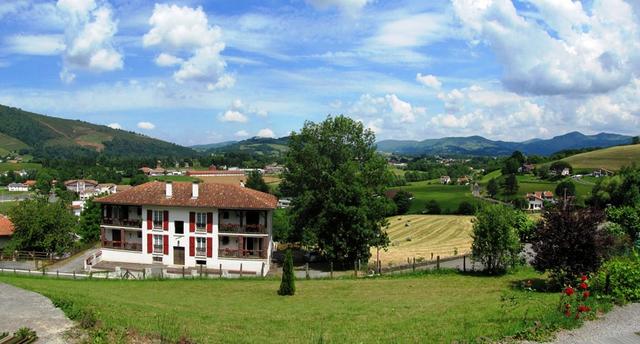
{"x": 526, "y": 168}
{"x": 214, "y": 172}
{"x": 464, "y": 180}
{"x": 85, "y": 188}
{"x": 445, "y": 180}
{"x": 602, "y": 172}
{"x": 153, "y": 172}
{"x": 6, "y": 230}
{"x": 536, "y": 200}
{"x": 18, "y": 187}
{"x": 184, "y": 224}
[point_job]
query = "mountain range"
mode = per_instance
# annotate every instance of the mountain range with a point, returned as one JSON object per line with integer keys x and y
{"x": 480, "y": 146}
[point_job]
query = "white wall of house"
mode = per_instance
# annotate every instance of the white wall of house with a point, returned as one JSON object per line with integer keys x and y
{"x": 182, "y": 241}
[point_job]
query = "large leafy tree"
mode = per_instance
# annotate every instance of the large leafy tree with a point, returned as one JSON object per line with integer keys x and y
{"x": 495, "y": 238}
{"x": 338, "y": 181}
{"x": 42, "y": 226}
{"x": 493, "y": 188}
{"x": 402, "y": 199}
{"x": 89, "y": 228}
{"x": 570, "y": 241}
{"x": 256, "y": 182}
{"x": 566, "y": 187}
{"x": 511, "y": 185}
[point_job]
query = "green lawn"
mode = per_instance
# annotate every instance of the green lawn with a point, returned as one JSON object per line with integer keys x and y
{"x": 6, "y": 166}
{"x": 174, "y": 178}
{"x": 420, "y": 308}
{"x": 447, "y": 196}
{"x": 529, "y": 183}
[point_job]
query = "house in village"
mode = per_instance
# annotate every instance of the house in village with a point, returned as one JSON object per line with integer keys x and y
{"x": 184, "y": 224}
{"x": 536, "y": 199}
{"x": 526, "y": 168}
{"x": 6, "y": 230}
{"x": 445, "y": 180}
{"x": 464, "y": 180}
{"x": 602, "y": 172}
{"x": 18, "y": 187}
{"x": 274, "y": 169}
{"x": 87, "y": 188}
{"x": 153, "y": 172}
{"x": 565, "y": 172}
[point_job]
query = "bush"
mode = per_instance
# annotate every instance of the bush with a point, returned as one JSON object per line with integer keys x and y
{"x": 495, "y": 240}
{"x": 287, "y": 286}
{"x": 402, "y": 199}
{"x": 432, "y": 208}
{"x": 466, "y": 208}
{"x": 624, "y": 278}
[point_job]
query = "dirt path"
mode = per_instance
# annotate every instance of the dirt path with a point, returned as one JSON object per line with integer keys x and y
{"x": 20, "y": 308}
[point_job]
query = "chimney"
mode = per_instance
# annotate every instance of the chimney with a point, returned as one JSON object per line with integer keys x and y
{"x": 195, "y": 189}
{"x": 168, "y": 189}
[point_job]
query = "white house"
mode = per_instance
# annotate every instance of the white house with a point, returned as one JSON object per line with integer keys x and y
{"x": 536, "y": 200}
{"x": 77, "y": 207}
{"x": 445, "y": 180}
{"x": 18, "y": 187}
{"x": 183, "y": 224}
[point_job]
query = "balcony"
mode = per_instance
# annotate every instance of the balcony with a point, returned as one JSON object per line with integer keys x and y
{"x": 133, "y": 223}
{"x": 243, "y": 254}
{"x": 122, "y": 245}
{"x": 242, "y": 229}
{"x": 200, "y": 252}
{"x": 157, "y": 249}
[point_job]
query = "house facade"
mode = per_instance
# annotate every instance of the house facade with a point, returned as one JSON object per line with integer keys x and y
{"x": 18, "y": 187}
{"x": 6, "y": 230}
{"x": 184, "y": 224}
{"x": 536, "y": 199}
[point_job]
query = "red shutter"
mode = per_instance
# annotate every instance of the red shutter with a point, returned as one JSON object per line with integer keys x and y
{"x": 209, "y": 222}
{"x": 165, "y": 239}
{"x": 192, "y": 221}
{"x": 192, "y": 246}
{"x": 209, "y": 247}
{"x": 149, "y": 219}
{"x": 165, "y": 220}
{"x": 149, "y": 243}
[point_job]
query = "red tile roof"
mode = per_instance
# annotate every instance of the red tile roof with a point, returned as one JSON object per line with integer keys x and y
{"x": 6, "y": 226}
{"x": 211, "y": 195}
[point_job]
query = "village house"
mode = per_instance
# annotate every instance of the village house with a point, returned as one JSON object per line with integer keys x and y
{"x": 18, "y": 187}
{"x": 184, "y": 224}
{"x": 77, "y": 207}
{"x": 536, "y": 199}
{"x": 464, "y": 180}
{"x": 273, "y": 169}
{"x": 602, "y": 172}
{"x": 565, "y": 172}
{"x": 6, "y": 230}
{"x": 526, "y": 168}
{"x": 153, "y": 172}
{"x": 85, "y": 188}
{"x": 445, "y": 180}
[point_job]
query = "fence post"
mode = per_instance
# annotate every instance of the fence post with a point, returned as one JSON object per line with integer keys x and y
{"x": 331, "y": 269}
{"x": 107, "y": 275}
{"x": 57, "y": 273}
{"x": 200, "y": 270}
{"x": 438, "y": 263}
{"x": 464, "y": 263}
{"x": 262, "y": 270}
{"x": 413, "y": 265}
{"x": 240, "y": 270}
{"x": 220, "y": 271}
{"x": 380, "y": 267}
{"x": 74, "y": 274}
{"x": 144, "y": 273}
{"x": 183, "y": 272}
{"x": 355, "y": 268}
{"x": 29, "y": 272}
{"x": 90, "y": 274}
{"x": 44, "y": 271}
{"x": 431, "y": 255}
{"x": 306, "y": 271}
{"x": 607, "y": 283}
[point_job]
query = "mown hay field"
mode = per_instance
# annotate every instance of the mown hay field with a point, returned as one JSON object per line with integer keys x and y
{"x": 420, "y": 236}
{"x": 269, "y": 179}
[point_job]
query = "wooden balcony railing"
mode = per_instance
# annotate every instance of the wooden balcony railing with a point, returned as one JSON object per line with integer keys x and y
{"x": 237, "y": 228}
{"x": 135, "y": 223}
{"x": 248, "y": 254}
{"x": 122, "y": 245}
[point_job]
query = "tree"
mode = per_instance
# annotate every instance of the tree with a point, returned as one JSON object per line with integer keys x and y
{"x": 628, "y": 218}
{"x": 569, "y": 241}
{"x": 402, "y": 199}
{"x": 337, "y": 180}
{"x": 492, "y": 187}
{"x": 288, "y": 283}
{"x": 43, "y": 183}
{"x": 511, "y": 166}
{"x": 432, "y": 207}
{"x": 619, "y": 190}
{"x": 558, "y": 166}
{"x": 281, "y": 225}
{"x": 525, "y": 227}
{"x": 511, "y": 184}
{"x": 42, "y": 226}
{"x": 495, "y": 239}
{"x": 256, "y": 182}
{"x": 89, "y": 228}
{"x": 566, "y": 187}
{"x": 138, "y": 179}
{"x": 635, "y": 140}
{"x": 466, "y": 208}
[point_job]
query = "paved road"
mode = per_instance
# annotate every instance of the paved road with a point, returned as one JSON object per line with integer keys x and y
{"x": 20, "y": 308}
{"x": 73, "y": 263}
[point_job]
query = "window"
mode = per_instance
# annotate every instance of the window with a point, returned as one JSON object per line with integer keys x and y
{"x": 201, "y": 247}
{"x": 157, "y": 219}
{"x": 201, "y": 221}
{"x": 225, "y": 215}
{"x": 139, "y": 235}
{"x": 157, "y": 244}
{"x": 225, "y": 240}
{"x": 179, "y": 226}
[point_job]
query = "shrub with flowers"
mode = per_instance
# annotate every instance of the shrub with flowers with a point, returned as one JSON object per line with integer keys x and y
{"x": 575, "y": 302}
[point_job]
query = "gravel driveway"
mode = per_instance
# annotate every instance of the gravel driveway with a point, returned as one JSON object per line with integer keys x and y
{"x": 20, "y": 308}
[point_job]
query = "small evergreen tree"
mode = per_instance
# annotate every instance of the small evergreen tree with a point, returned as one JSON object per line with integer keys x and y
{"x": 511, "y": 185}
{"x": 492, "y": 187}
{"x": 256, "y": 182}
{"x": 287, "y": 286}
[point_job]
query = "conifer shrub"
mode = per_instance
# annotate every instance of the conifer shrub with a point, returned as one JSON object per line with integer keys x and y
{"x": 287, "y": 286}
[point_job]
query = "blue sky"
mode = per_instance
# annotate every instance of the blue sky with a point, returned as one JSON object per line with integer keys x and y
{"x": 197, "y": 72}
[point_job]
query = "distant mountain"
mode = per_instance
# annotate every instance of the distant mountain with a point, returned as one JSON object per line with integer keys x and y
{"x": 48, "y": 137}
{"x": 205, "y": 147}
{"x": 254, "y": 146}
{"x": 480, "y": 146}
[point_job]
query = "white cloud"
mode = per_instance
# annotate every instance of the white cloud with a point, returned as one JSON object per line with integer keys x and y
{"x": 241, "y": 133}
{"x": 349, "y": 7}
{"x": 568, "y": 49}
{"x": 90, "y": 30}
{"x": 266, "y": 132}
{"x": 429, "y": 81}
{"x": 390, "y": 107}
{"x": 167, "y": 60}
{"x": 411, "y": 31}
{"x": 186, "y": 30}
{"x": 35, "y": 44}
{"x": 234, "y": 116}
{"x": 114, "y": 126}
{"x": 12, "y": 7}
{"x": 146, "y": 125}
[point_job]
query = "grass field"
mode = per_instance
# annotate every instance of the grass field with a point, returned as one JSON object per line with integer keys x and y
{"x": 418, "y": 308}
{"x": 173, "y": 178}
{"x": 529, "y": 183}
{"x": 237, "y": 179}
{"x": 7, "y": 166}
{"x": 612, "y": 158}
{"x": 420, "y": 236}
{"x": 10, "y": 144}
{"x": 447, "y": 196}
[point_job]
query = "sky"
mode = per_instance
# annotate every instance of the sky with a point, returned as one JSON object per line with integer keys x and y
{"x": 196, "y": 72}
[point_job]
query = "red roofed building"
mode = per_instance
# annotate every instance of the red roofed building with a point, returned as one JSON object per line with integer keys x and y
{"x": 184, "y": 224}
{"x": 536, "y": 200}
{"x": 6, "y": 230}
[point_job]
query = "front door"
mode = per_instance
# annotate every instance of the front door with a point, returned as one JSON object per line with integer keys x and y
{"x": 115, "y": 235}
{"x": 178, "y": 255}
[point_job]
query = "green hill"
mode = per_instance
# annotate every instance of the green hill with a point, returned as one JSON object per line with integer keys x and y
{"x": 255, "y": 146}
{"x": 56, "y": 138}
{"x": 613, "y": 158}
